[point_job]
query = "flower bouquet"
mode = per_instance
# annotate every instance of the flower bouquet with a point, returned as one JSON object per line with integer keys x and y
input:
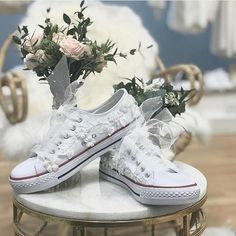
{"x": 69, "y": 44}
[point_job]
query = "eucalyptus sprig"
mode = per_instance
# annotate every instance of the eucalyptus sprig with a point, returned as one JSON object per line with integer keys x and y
{"x": 174, "y": 100}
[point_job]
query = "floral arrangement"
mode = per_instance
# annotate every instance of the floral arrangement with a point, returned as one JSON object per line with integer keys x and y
{"x": 41, "y": 53}
{"x": 172, "y": 99}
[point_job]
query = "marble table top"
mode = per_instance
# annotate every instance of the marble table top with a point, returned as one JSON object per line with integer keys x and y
{"x": 91, "y": 198}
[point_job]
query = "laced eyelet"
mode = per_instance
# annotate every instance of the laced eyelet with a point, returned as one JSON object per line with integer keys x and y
{"x": 79, "y": 120}
{"x": 147, "y": 175}
{"x": 128, "y": 151}
{"x": 133, "y": 158}
{"x": 94, "y": 135}
{"x": 66, "y": 136}
{"x": 142, "y": 169}
{"x": 52, "y": 151}
{"x": 137, "y": 163}
{"x": 141, "y": 147}
{"x": 73, "y": 128}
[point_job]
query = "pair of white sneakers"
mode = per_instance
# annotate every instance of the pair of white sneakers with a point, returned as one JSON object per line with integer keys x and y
{"x": 77, "y": 137}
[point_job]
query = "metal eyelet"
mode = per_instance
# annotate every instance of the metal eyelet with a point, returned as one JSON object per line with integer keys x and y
{"x": 142, "y": 169}
{"x": 94, "y": 135}
{"x": 66, "y": 136}
{"x": 137, "y": 163}
{"x": 133, "y": 158}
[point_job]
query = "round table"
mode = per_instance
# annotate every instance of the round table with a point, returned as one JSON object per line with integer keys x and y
{"x": 88, "y": 201}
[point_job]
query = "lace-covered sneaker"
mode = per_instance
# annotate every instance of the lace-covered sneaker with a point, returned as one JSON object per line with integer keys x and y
{"x": 75, "y": 138}
{"x": 140, "y": 167}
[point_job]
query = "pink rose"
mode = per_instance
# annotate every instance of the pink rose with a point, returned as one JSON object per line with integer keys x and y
{"x": 72, "y": 48}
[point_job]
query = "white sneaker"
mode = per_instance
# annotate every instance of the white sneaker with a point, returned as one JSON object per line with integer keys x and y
{"x": 76, "y": 138}
{"x": 140, "y": 167}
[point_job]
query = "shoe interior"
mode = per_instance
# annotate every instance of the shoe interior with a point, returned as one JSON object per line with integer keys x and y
{"x": 111, "y": 102}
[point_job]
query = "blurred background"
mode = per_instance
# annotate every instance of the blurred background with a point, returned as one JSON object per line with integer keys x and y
{"x": 202, "y": 33}
{"x": 175, "y": 47}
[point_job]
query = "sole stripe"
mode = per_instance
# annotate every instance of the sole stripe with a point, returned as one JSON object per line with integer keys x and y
{"x": 121, "y": 182}
{"x": 88, "y": 159}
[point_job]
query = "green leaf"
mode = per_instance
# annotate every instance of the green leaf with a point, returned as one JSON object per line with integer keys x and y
{"x": 18, "y": 28}
{"x": 16, "y": 39}
{"x": 67, "y": 19}
{"x": 139, "y": 46}
{"x": 132, "y": 51}
{"x": 79, "y": 14}
{"x": 24, "y": 52}
{"x": 24, "y": 35}
{"x": 71, "y": 31}
{"x": 47, "y": 20}
{"x": 150, "y": 46}
{"x": 114, "y": 53}
{"x": 41, "y": 26}
{"x": 123, "y": 55}
{"x": 87, "y": 21}
{"x": 35, "y": 43}
{"x": 55, "y": 28}
{"x": 83, "y": 9}
{"x": 82, "y": 4}
{"x": 25, "y": 29}
{"x": 168, "y": 87}
{"x": 47, "y": 30}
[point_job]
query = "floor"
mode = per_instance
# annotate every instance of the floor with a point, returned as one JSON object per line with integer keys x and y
{"x": 217, "y": 161}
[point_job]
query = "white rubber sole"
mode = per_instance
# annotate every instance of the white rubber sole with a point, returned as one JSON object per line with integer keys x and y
{"x": 52, "y": 179}
{"x": 150, "y": 195}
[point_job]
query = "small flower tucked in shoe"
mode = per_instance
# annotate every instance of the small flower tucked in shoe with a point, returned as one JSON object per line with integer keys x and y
{"x": 171, "y": 99}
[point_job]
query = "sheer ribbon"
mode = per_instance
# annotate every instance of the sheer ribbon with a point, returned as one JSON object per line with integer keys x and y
{"x": 154, "y": 128}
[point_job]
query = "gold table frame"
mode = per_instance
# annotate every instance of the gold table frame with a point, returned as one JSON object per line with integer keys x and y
{"x": 187, "y": 226}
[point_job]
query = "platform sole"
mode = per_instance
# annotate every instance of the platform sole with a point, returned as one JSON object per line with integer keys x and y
{"x": 151, "y": 195}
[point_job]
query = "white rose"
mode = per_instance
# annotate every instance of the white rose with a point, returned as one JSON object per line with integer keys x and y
{"x": 33, "y": 60}
{"x": 171, "y": 99}
{"x": 72, "y": 48}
